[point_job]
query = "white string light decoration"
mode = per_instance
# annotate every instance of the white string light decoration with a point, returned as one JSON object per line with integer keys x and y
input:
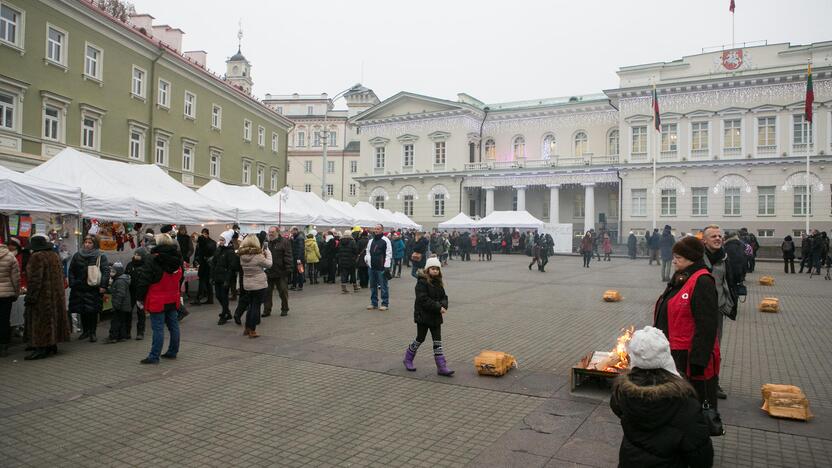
{"x": 378, "y": 192}
{"x": 798, "y": 179}
{"x": 407, "y": 190}
{"x": 439, "y": 189}
{"x": 731, "y": 181}
{"x": 671, "y": 182}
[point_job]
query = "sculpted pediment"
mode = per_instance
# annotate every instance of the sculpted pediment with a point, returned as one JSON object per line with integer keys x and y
{"x": 404, "y": 103}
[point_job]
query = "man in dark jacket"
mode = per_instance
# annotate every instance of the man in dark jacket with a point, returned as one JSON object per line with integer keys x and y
{"x": 298, "y": 259}
{"x": 186, "y": 245}
{"x": 379, "y": 257}
{"x": 205, "y": 249}
{"x": 140, "y": 256}
{"x": 817, "y": 252}
{"x": 631, "y": 245}
{"x": 716, "y": 260}
{"x": 347, "y": 253}
{"x": 653, "y": 246}
{"x": 280, "y": 271}
{"x": 224, "y": 266}
{"x": 666, "y": 246}
{"x": 805, "y": 252}
{"x": 736, "y": 257}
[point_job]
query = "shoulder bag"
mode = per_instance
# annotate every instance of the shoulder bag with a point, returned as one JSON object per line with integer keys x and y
{"x": 94, "y": 273}
{"x": 712, "y": 419}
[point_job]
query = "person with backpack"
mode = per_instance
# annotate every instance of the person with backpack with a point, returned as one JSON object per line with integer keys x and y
{"x": 787, "y": 247}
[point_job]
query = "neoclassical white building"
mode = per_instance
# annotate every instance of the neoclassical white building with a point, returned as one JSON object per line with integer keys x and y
{"x": 731, "y": 150}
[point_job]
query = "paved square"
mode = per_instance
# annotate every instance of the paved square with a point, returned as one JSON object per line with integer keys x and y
{"x": 325, "y": 385}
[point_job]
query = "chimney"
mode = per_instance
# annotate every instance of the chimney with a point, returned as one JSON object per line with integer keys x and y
{"x": 142, "y": 21}
{"x": 200, "y": 57}
{"x": 170, "y": 36}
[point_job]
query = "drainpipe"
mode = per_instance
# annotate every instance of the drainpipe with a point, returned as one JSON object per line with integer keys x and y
{"x": 150, "y": 143}
{"x": 460, "y": 193}
{"x": 482, "y": 124}
{"x": 620, "y": 205}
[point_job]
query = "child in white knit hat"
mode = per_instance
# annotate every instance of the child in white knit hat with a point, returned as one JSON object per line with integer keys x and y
{"x": 430, "y": 306}
{"x": 660, "y": 414}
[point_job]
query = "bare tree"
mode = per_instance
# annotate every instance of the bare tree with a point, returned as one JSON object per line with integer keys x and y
{"x": 118, "y": 9}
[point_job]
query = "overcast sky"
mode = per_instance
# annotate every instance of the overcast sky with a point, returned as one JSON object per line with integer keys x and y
{"x": 494, "y": 50}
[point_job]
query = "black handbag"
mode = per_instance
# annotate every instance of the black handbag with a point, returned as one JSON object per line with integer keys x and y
{"x": 387, "y": 274}
{"x": 712, "y": 419}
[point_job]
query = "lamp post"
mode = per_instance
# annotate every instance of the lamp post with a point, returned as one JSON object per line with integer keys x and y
{"x": 325, "y": 135}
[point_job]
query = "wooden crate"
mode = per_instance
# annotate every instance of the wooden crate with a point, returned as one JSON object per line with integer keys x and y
{"x": 611, "y": 295}
{"x": 767, "y": 280}
{"x": 770, "y": 304}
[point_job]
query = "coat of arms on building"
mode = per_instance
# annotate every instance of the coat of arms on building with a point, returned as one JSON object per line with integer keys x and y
{"x": 732, "y": 59}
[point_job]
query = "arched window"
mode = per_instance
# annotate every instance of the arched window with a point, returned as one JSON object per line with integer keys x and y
{"x": 490, "y": 150}
{"x": 519, "y": 147}
{"x": 549, "y": 149}
{"x": 580, "y": 144}
{"x": 612, "y": 143}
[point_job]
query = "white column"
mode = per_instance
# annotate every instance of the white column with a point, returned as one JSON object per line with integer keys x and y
{"x": 589, "y": 206}
{"x": 489, "y": 200}
{"x": 521, "y": 197}
{"x": 554, "y": 203}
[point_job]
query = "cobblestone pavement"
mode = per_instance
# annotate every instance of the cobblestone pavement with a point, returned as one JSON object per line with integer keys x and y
{"x": 325, "y": 385}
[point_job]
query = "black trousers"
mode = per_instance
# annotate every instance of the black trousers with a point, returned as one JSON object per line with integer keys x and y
{"x": 221, "y": 291}
{"x": 787, "y": 263}
{"x": 5, "y": 320}
{"x": 347, "y": 275}
{"x": 397, "y": 267}
{"x": 282, "y": 286}
{"x": 242, "y": 304}
{"x": 255, "y": 301}
{"x": 89, "y": 322}
{"x": 121, "y": 324}
{"x": 141, "y": 321}
{"x": 205, "y": 283}
{"x": 363, "y": 277}
{"x": 422, "y": 332}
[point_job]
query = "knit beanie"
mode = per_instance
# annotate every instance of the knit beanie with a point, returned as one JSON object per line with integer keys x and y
{"x": 433, "y": 262}
{"x": 689, "y": 247}
{"x": 649, "y": 349}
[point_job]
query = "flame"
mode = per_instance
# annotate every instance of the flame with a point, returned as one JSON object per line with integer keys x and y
{"x": 619, "y": 359}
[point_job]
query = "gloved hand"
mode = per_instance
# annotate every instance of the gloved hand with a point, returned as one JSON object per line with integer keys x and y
{"x": 140, "y": 304}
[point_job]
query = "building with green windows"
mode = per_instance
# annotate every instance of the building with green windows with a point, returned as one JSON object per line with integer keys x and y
{"x": 72, "y": 75}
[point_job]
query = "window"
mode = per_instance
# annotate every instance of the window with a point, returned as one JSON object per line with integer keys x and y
{"x": 310, "y": 110}
{"x": 330, "y": 190}
{"x": 136, "y": 144}
{"x": 301, "y": 139}
{"x": 161, "y": 153}
{"x": 732, "y": 201}
{"x": 214, "y": 165}
{"x": 378, "y": 202}
{"x": 316, "y": 139}
{"x": 187, "y": 157}
{"x": 273, "y": 182}
{"x": 333, "y": 138}
{"x": 439, "y": 152}
{"x": 307, "y": 166}
{"x": 670, "y": 136}
{"x": 246, "y": 172}
{"x": 407, "y": 205}
{"x": 163, "y": 94}
{"x": 7, "y": 110}
{"x": 491, "y": 150}
{"x": 280, "y": 110}
{"x": 353, "y": 189}
{"x": 514, "y": 201}
{"x": 800, "y": 205}
{"x": 439, "y": 204}
{"x": 261, "y": 176}
{"x": 699, "y": 136}
{"x": 767, "y": 134}
{"x": 89, "y": 133}
{"x": 261, "y": 136}
{"x": 307, "y": 188}
{"x": 577, "y": 206}
{"x": 407, "y": 157}
{"x": 765, "y": 232}
{"x": 138, "y": 88}
{"x": 765, "y": 201}
{"x": 216, "y": 116}
{"x": 580, "y": 144}
{"x": 353, "y": 167}
{"x": 519, "y": 147}
{"x": 802, "y": 132}
{"x": 379, "y": 160}
{"x": 56, "y": 45}
{"x": 10, "y": 25}
{"x": 190, "y": 105}
{"x": 92, "y": 61}
{"x": 247, "y": 130}
{"x": 638, "y": 201}
{"x": 668, "y": 201}
{"x": 274, "y": 141}
{"x": 612, "y": 207}
{"x": 700, "y": 201}
{"x": 732, "y": 134}
{"x": 612, "y": 143}
{"x": 51, "y": 123}
{"x": 330, "y": 167}
{"x": 639, "y": 140}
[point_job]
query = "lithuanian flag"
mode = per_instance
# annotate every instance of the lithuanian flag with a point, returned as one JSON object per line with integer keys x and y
{"x": 810, "y": 95}
{"x": 657, "y": 120}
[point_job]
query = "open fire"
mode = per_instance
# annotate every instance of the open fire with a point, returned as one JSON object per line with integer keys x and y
{"x": 617, "y": 359}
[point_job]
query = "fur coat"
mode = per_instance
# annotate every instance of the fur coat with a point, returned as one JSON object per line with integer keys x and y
{"x": 48, "y": 322}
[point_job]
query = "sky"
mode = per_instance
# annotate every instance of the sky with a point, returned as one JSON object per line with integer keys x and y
{"x": 494, "y": 50}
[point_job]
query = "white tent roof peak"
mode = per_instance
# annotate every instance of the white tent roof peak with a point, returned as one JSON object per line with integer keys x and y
{"x": 24, "y": 192}
{"x": 510, "y": 219}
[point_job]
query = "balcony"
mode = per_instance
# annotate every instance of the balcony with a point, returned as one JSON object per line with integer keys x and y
{"x": 518, "y": 164}
{"x": 700, "y": 153}
{"x": 800, "y": 148}
{"x": 638, "y": 156}
{"x": 731, "y": 153}
{"x": 671, "y": 155}
{"x": 555, "y": 161}
{"x": 378, "y": 170}
{"x": 407, "y": 169}
{"x": 478, "y": 166}
{"x": 605, "y": 160}
{"x": 438, "y": 166}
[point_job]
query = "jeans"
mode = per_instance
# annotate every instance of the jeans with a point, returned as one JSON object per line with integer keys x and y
{"x": 587, "y": 258}
{"x": 377, "y": 279}
{"x": 282, "y": 285}
{"x": 397, "y": 267}
{"x": 157, "y": 324}
{"x": 221, "y": 291}
{"x": 255, "y": 300}
{"x": 666, "y": 270}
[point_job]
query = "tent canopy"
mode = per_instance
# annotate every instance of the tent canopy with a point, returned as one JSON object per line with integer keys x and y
{"x": 460, "y": 221}
{"x": 252, "y": 204}
{"x": 371, "y": 212}
{"x": 406, "y": 222}
{"x": 316, "y": 211}
{"x": 120, "y": 191}
{"x": 24, "y": 192}
{"x": 358, "y": 218}
{"x": 510, "y": 219}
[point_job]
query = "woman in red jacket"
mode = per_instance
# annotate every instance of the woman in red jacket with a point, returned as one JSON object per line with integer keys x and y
{"x": 157, "y": 290}
{"x": 687, "y": 314}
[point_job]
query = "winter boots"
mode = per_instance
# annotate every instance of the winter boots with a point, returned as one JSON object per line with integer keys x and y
{"x": 438, "y": 356}
{"x": 408, "y": 359}
{"x": 442, "y": 365}
{"x": 344, "y": 289}
{"x": 355, "y": 287}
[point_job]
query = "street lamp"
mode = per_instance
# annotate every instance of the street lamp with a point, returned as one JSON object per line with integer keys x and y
{"x": 326, "y": 140}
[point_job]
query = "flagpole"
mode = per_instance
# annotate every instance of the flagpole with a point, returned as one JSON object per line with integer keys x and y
{"x": 653, "y": 151}
{"x": 810, "y": 118}
{"x": 733, "y": 42}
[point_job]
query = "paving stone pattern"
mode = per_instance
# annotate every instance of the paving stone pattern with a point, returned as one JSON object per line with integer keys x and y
{"x": 325, "y": 386}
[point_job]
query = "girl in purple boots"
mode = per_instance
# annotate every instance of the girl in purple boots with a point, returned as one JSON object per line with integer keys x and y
{"x": 431, "y": 304}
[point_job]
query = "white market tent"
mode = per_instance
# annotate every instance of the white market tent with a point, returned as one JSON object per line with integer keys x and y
{"x": 113, "y": 190}
{"x": 358, "y": 218}
{"x": 252, "y": 204}
{"x": 395, "y": 223}
{"x": 370, "y": 211}
{"x": 460, "y": 221}
{"x": 24, "y": 192}
{"x": 407, "y": 222}
{"x": 510, "y": 219}
{"x": 316, "y": 211}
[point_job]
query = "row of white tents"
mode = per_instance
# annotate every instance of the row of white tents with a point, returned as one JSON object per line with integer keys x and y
{"x": 73, "y": 182}
{"x": 497, "y": 219}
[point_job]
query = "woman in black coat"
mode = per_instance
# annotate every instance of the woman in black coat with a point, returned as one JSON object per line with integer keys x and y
{"x": 346, "y": 254}
{"x": 328, "y": 257}
{"x": 85, "y": 299}
{"x": 430, "y": 305}
{"x": 788, "y": 249}
{"x": 421, "y": 246}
